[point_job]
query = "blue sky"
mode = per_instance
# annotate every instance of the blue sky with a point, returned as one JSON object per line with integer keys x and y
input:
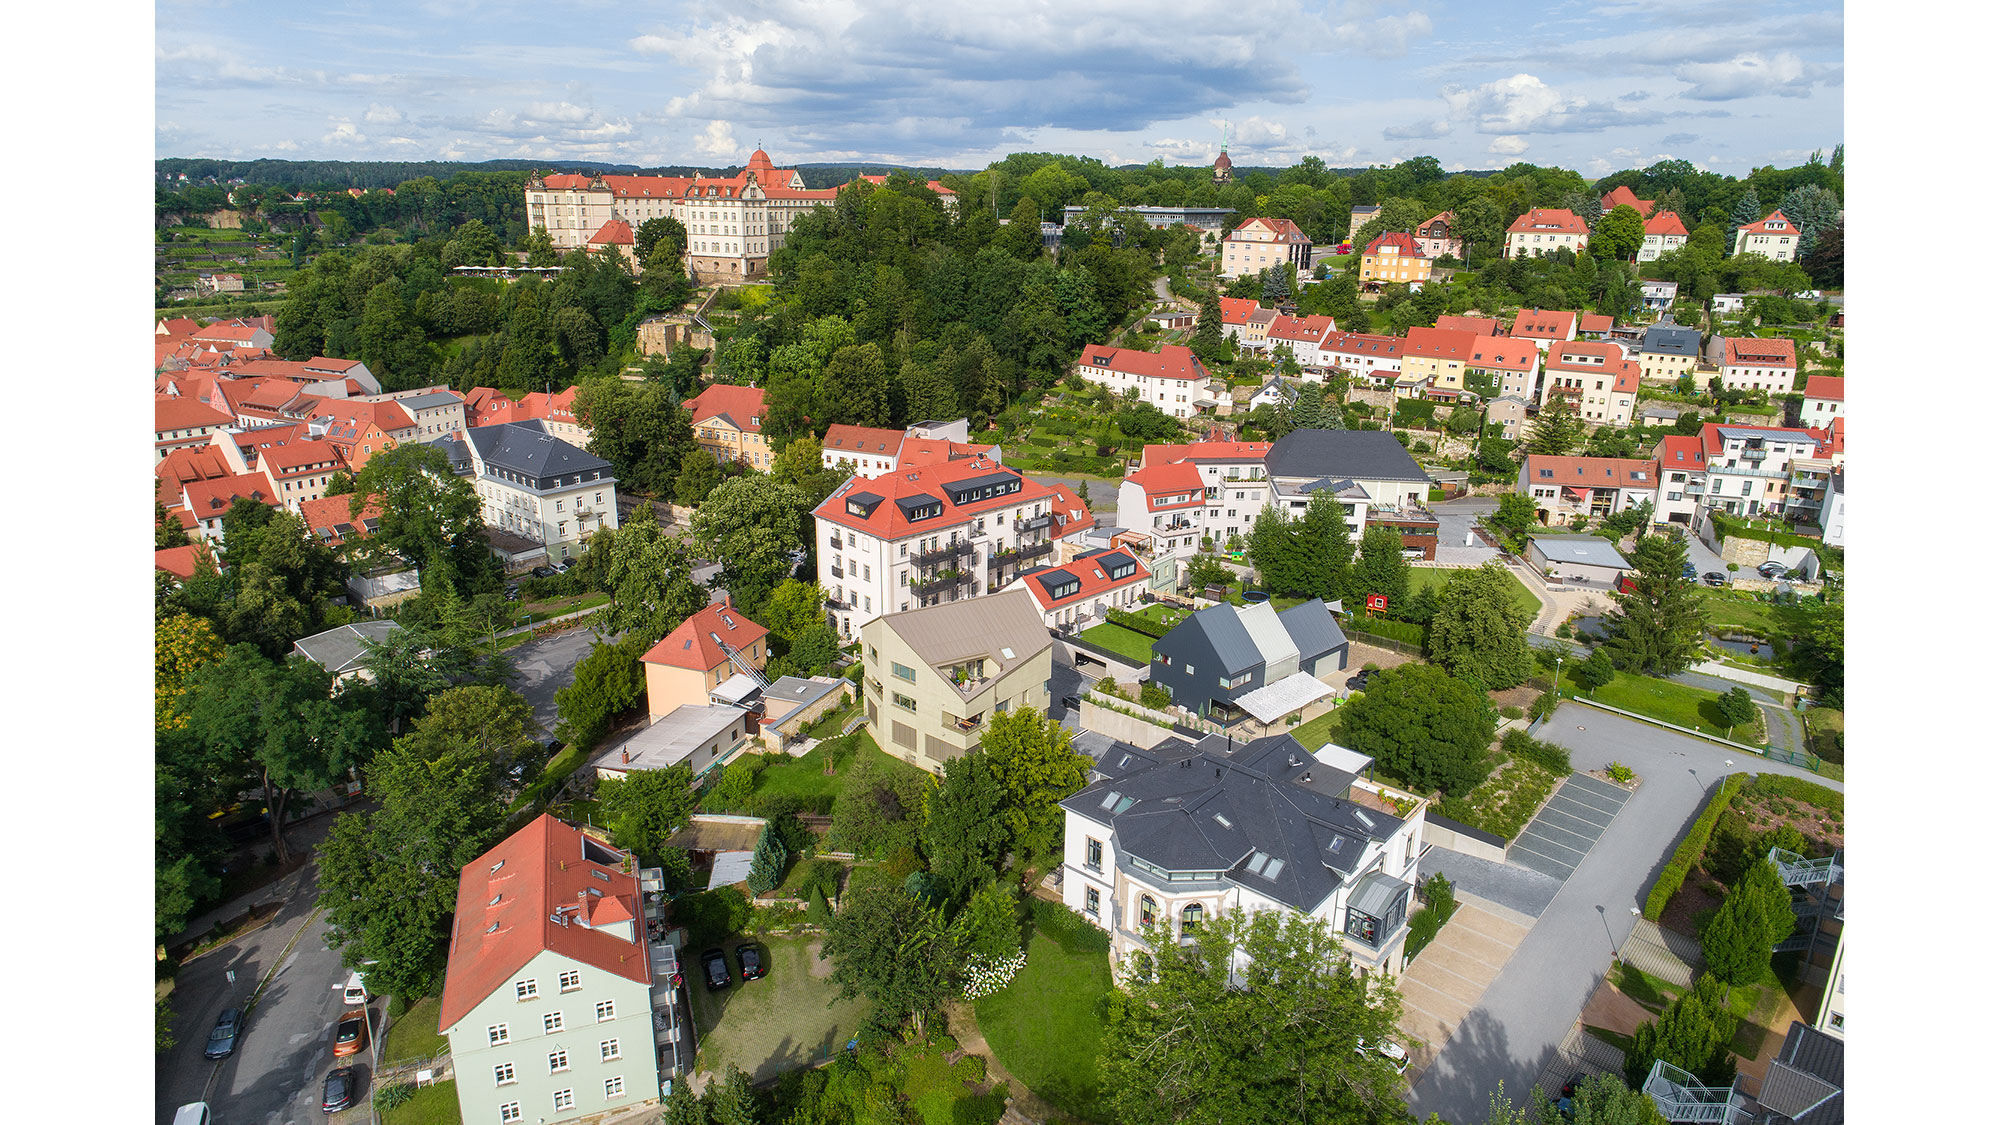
{"x": 1593, "y": 86}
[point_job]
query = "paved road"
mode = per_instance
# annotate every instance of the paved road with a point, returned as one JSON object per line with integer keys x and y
{"x": 1785, "y": 730}
{"x": 286, "y": 1046}
{"x": 1526, "y": 1013}
{"x": 548, "y": 664}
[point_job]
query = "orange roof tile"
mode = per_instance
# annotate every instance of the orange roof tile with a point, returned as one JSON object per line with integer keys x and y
{"x": 1173, "y": 478}
{"x": 617, "y": 232}
{"x": 1477, "y": 325}
{"x": 696, "y": 643}
{"x": 842, "y": 438}
{"x": 1503, "y": 353}
{"x": 1548, "y": 219}
{"x": 1204, "y": 451}
{"x": 180, "y": 561}
{"x": 1404, "y": 245}
{"x": 1666, "y": 223}
{"x": 1439, "y": 343}
{"x": 1543, "y": 324}
{"x": 1625, "y": 195}
{"x": 1829, "y": 387}
{"x": 1754, "y": 351}
{"x": 179, "y": 412}
{"x": 1092, "y": 579}
{"x": 742, "y": 406}
{"x": 1593, "y": 472}
{"x": 1777, "y": 216}
{"x": 1171, "y": 362}
{"x": 1593, "y": 322}
{"x": 870, "y": 505}
{"x": 934, "y": 451}
{"x": 208, "y": 499}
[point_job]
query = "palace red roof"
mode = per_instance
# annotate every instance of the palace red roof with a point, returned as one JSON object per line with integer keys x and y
{"x": 1544, "y": 324}
{"x": 742, "y": 407}
{"x": 1204, "y": 451}
{"x": 871, "y": 505}
{"x": 1829, "y": 387}
{"x": 1775, "y": 216}
{"x": 1503, "y": 353}
{"x": 174, "y": 412}
{"x": 1548, "y": 219}
{"x": 1666, "y": 223}
{"x": 1682, "y": 451}
{"x": 696, "y": 644}
{"x": 1832, "y": 439}
{"x": 1092, "y": 579}
{"x": 1171, "y": 362}
{"x": 514, "y": 901}
{"x": 1625, "y": 195}
{"x": 188, "y": 463}
{"x": 1753, "y": 351}
{"x": 617, "y": 232}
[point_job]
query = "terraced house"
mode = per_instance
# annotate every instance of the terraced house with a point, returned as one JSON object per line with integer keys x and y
{"x": 1164, "y": 840}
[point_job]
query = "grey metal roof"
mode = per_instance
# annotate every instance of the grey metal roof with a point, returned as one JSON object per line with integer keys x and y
{"x": 1351, "y": 454}
{"x": 1249, "y": 813}
{"x": 1376, "y": 893}
{"x": 341, "y": 649}
{"x": 433, "y": 399}
{"x": 730, "y": 867}
{"x": 788, "y": 695}
{"x": 1666, "y": 338}
{"x": 1006, "y": 629}
{"x": 1805, "y": 1080}
{"x": 1225, "y": 636}
{"x": 528, "y": 449}
{"x": 1312, "y": 629}
{"x": 1584, "y": 550}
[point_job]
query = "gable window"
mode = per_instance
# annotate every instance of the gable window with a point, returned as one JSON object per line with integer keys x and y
{"x": 524, "y": 989}
{"x": 571, "y": 980}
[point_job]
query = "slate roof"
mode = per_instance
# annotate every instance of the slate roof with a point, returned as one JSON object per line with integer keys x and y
{"x": 1248, "y": 813}
{"x": 1805, "y": 1080}
{"x": 1356, "y": 454}
{"x": 1225, "y": 636}
{"x": 528, "y": 449}
{"x": 1668, "y": 338}
{"x": 431, "y": 400}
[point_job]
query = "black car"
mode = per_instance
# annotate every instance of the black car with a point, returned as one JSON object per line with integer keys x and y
{"x": 1359, "y": 680}
{"x": 544, "y": 572}
{"x": 566, "y": 564}
{"x": 222, "y": 1040}
{"x": 1072, "y": 702}
{"x": 512, "y": 592}
{"x": 1772, "y": 569}
{"x": 751, "y": 959}
{"x": 339, "y": 1090}
{"x": 715, "y": 969}
{"x": 1715, "y": 578}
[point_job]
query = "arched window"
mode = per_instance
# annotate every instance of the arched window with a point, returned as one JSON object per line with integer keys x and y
{"x": 1149, "y": 911}
{"x": 1191, "y": 917}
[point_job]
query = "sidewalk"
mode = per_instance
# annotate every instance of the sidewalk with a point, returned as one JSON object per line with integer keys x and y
{"x": 1754, "y": 679}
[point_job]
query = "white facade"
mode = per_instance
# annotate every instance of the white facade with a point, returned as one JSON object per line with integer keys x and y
{"x": 1172, "y": 379}
{"x": 1772, "y": 379}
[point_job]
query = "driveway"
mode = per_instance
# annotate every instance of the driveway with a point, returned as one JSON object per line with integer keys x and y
{"x": 1449, "y": 976}
{"x": 543, "y": 666}
{"x": 1529, "y": 1010}
{"x": 1455, "y": 520}
{"x": 1568, "y": 826}
{"x": 1701, "y": 558}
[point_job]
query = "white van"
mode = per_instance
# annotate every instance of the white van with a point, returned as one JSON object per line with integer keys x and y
{"x": 355, "y": 993}
{"x": 193, "y": 1113}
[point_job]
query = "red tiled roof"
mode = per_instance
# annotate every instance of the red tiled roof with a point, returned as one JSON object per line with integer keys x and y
{"x": 185, "y": 464}
{"x": 329, "y": 512}
{"x": 1666, "y": 223}
{"x": 1285, "y": 229}
{"x": 696, "y": 643}
{"x": 1681, "y": 451}
{"x": 1072, "y": 515}
{"x": 1304, "y": 329}
{"x": 1829, "y": 387}
{"x": 842, "y": 438}
{"x": 1171, "y": 362}
{"x": 177, "y": 326}
{"x": 1238, "y": 310}
{"x": 936, "y": 451}
{"x": 1174, "y": 478}
{"x": 208, "y": 499}
{"x": 617, "y": 232}
{"x": 885, "y": 520}
{"x": 1625, "y": 195}
{"x": 1543, "y": 324}
{"x": 1593, "y": 472}
{"x": 1756, "y": 351}
{"x": 1363, "y": 343}
{"x": 1405, "y": 245}
{"x": 222, "y": 331}
{"x": 1832, "y": 439}
{"x": 1477, "y": 325}
{"x": 180, "y": 561}
{"x": 1091, "y": 577}
{"x": 1503, "y": 353}
{"x": 1438, "y": 343}
{"x": 1593, "y": 322}
{"x": 742, "y": 406}
{"x": 1758, "y": 226}
{"x": 1204, "y": 451}
{"x": 1611, "y": 355}
{"x": 176, "y": 412}
{"x": 300, "y": 458}
{"x": 509, "y": 902}
{"x": 1545, "y": 219}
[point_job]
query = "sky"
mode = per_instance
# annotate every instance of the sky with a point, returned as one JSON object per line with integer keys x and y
{"x": 1597, "y": 87}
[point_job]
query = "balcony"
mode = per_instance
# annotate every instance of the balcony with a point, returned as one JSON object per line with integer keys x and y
{"x": 950, "y": 579}
{"x": 1034, "y": 523}
{"x": 835, "y": 570}
{"x": 837, "y": 604}
{"x": 964, "y": 726}
{"x": 945, "y": 553}
{"x": 1027, "y": 553}
{"x": 833, "y": 541}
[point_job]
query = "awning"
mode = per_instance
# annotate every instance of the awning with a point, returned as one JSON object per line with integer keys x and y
{"x": 1272, "y": 702}
{"x": 1577, "y": 493}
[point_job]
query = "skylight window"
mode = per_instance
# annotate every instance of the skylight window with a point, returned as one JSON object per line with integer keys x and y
{"x": 1006, "y": 653}
{"x": 1271, "y": 872}
{"x": 1222, "y": 820}
{"x": 495, "y": 901}
{"x": 1110, "y": 799}
{"x": 1366, "y": 820}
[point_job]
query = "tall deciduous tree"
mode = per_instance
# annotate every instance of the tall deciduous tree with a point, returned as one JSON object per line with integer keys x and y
{"x": 181, "y": 644}
{"x": 1479, "y": 632}
{"x": 1429, "y": 727}
{"x": 1031, "y": 757}
{"x": 648, "y": 573}
{"x": 1199, "y": 1034}
{"x": 854, "y": 388}
{"x": 964, "y": 834}
{"x": 608, "y": 680}
{"x": 645, "y": 807}
{"x": 889, "y": 947}
{"x": 1619, "y": 233}
{"x": 753, "y": 525}
{"x": 430, "y": 516}
{"x": 1656, "y": 628}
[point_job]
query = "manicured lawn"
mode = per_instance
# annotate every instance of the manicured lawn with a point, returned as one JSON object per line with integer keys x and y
{"x": 435, "y": 1104}
{"x": 1168, "y": 615}
{"x": 1435, "y": 578}
{"x": 414, "y": 1035}
{"x": 829, "y": 724}
{"x": 1044, "y": 1027}
{"x": 1315, "y": 733}
{"x": 805, "y": 777}
{"x": 780, "y": 1022}
{"x": 1661, "y": 699}
{"x": 1134, "y": 646}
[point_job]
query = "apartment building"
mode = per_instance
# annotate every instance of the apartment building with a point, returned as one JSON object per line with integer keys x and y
{"x": 558, "y": 1004}
{"x": 729, "y": 423}
{"x": 1595, "y": 375}
{"x": 1394, "y": 256}
{"x": 1081, "y": 591}
{"x": 1513, "y": 367}
{"x": 1823, "y": 400}
{"x": 1743, "y": 470}
{"x": 1165, "y": 503}
{"x": 184, "y": 423}
{"x": 865, "y": 451}
{"x": 1546, "y": 327}
{"x": 1437, "y": 356}
{"x": 1544, "y": 230}
{"x": 1171, "y": 378}
{"x": 1562, "y": 487}
{"x": 936, "y": 534}
{"x": 1362, "y": 355}
{"x": 1667, "y": 351}
{"x": 1299, "y": 335}
{"x": 1168, "y": 839}
{"x": 934, "y": 677}
{"x": 1374, "y": 477}
{"x": 1258, "y": 244}
{"x": 1754, "y": 363}
{"x": 535, "y": 485}
{"x": 1774, "y": 236}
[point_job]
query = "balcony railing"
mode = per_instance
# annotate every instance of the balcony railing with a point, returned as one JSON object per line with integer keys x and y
{"x": 963, "y": 726}
{"x": 1034, "y": 523}
{"x": 945, "y": 553}
{"x": 835, "y": 570}
{"x": 833, "y": 541}
{"x": 939, "y": 585}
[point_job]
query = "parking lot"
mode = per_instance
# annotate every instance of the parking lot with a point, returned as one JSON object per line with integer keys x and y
{"x": 1563, "y": 833}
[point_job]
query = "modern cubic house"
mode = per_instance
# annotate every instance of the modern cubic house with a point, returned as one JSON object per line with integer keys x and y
{"x": 934, "y": 677}
{"x": 1167, "y": 839}
{"x": 1251, "y": 665}
{"x": 558, "y": 1004}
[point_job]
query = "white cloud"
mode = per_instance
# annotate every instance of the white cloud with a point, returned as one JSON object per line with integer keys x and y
{"x": 286, "y": 146}
{"x": 379, "y": 114}
{"x": 1507, "y": 146}
{"x": 718, "y": 139}
{"x": 1387, "y": 37}
{"x": 1417, "y": 131}
{"x": 1524, "y": 103}
{"x": 1751, "y": 74}
{"x": 344, "y": 133}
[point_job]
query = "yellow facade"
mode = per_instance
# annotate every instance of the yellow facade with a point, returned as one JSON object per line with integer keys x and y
{"x": 1390, "y": 264}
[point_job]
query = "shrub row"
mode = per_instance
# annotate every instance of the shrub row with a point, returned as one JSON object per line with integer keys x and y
{"x": 1440, "y": 905}
{"x": 1135, "y": 622}
{"x": 1691, "y": 848}
{"x": 1547, "y": 755}
{"x": 1067, "y": 928}
{"x": 1504, "y": 803}
{"x": 1404, "y": 631}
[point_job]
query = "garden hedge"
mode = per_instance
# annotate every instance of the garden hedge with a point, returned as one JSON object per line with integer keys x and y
{"x": 1136, "y": 622}
{"x": 1404, "y": 631}
{"x": 1691, "y": 848}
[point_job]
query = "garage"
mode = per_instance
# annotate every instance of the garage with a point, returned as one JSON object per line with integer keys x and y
{"x": 1578, "y": 560}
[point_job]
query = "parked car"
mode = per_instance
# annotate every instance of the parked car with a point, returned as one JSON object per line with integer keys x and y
{"x": 751, "y": 959}
{"x": 715, "y": 969}
{"x": 1687, "y": 571}
{"x": 338, "y": 1093}
{"x": 1359, "y": 680}
{"x": 544, "y": 572}
{"x": 354, "y": 993}
{"x": 1715, "y": 578}
{"x": 566, "y": 564}
{"x": 1566, "y": 1104}
{"x": 512, "y": 591}
{"x": 1388, "y": 1049}
{"x": 1772, "y": 569}
{"x": 222, "y": 1037}
{"x": 351, "y": 1033}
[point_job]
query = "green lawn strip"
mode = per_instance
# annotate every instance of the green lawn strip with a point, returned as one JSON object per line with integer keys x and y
{"x": 1505, "y": 801}
{"x": 1436, "y": 577}
{"x": 829, "y": 724}
{"x": 435, "y": 1104}
{"x": 1649, "y": 991}
{"x": 1129, "y": 643}
{"x": 1165, "y": 614}
{"x": 1622, "y": 1042}
{"x": 780, "y": 1022}
{"x": 1315, "y": 733}
{"x": 938, "y": 1092}
{"x": 1044, "y": 1026}
{"x": 1663, "y": 700}
{"x": 414, "y": 1035}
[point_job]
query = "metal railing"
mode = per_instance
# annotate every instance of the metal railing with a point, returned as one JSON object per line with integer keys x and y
{"x": 945, "y": 553}
{"x": 1034, "y": 523}
{"x": 939, "y": 585}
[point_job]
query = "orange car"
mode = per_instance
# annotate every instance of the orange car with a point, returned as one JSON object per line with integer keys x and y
{"x": 351, "y": 1033}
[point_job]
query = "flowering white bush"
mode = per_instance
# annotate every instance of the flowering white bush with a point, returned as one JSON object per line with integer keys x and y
{"x": 986, "y": 976}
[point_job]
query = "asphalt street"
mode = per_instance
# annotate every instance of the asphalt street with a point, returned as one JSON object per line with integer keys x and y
{"x": 546, "y": 665}
{"x": 1527, "y": 1011}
